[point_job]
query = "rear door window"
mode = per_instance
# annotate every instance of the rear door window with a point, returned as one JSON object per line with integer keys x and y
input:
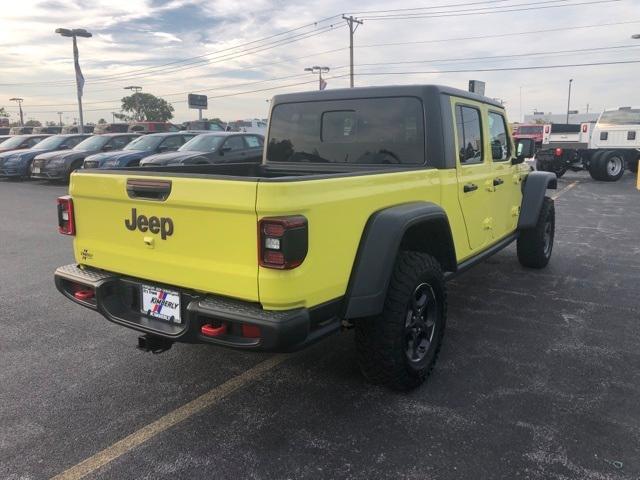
{"x": 372, "y": 131}
{"x": 253, "y": 141}
{"x": 235, "y": 144}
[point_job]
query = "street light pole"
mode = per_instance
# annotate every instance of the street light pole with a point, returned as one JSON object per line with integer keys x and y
{"x": 319, "y": 70}
{"x": 74, "y": 33}
{"x": 569, "y": 100}
{"x": 19, "y": 102}
{"x": 60, "y": 118}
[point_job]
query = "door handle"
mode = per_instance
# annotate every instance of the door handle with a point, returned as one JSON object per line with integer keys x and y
{"x": 470, "y": 187}
{"x": 497, "y": 181}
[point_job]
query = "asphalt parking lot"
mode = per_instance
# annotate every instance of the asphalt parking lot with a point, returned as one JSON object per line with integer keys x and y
{"x": 538, "y": 377}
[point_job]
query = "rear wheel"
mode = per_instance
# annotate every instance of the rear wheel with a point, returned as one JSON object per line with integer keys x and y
{"x": 607, "y": 166}
{"x": 399, "y": 347}
{"x": 536, "y": 244}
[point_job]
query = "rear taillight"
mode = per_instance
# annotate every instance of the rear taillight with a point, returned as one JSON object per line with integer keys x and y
{"x": 282, "y": 241}
{"x": 66, "y": 221}
{"x": 558, "y": 152}
{"x": 547, "y": 129}
{"x": 584, "y": 128}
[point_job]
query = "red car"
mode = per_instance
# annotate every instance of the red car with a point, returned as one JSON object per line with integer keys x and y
{"x": 152, "y": 127}
{"x": 533, "y": 131}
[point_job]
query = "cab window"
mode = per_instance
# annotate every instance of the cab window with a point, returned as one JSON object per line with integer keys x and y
{"x": 234, "y": 144}
{"x": 469, "y": 130}
{"x": 498, "y": 138}
{"x": 253, "y": 141}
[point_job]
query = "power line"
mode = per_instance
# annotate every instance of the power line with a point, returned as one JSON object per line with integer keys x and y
{"x": 503, "y": 69}
{"x": 534, "y": 6}
{"x": 454, "y": 59}
{"x": 428, "y": 8}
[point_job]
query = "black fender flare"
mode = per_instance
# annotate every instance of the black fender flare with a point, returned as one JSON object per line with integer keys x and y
{"x": 423, "y": 224}
{"x": 534, "y": 190}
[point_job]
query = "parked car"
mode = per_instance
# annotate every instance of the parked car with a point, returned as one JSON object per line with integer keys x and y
{"x": 4, "y": 137}
{"x": 47, "y": 129}
{"x": 249, "y": 126}
{"x": 206, "y": 125}
{"x": 5, "y": 131}
{"x": 20, "y": 130}
{"x": 17, "y": 163}
{"x": 152, "y": 127}
{"x": 219, "y": 147}
{"x": 60, "y": 165}
{"x": 138, "y": 149}
{"x": 101, "y": 128}
{"x": 19, "y": 142}
{"x": 75, "y": 128}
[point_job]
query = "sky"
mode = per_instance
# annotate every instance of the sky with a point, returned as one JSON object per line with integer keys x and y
{"x": 229, "y": 49}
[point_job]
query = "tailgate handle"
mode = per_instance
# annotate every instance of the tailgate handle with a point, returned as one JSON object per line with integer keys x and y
{"x": 149, "y": 189}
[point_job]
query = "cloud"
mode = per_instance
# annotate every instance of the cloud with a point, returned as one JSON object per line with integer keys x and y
{"x": 169, "y": 37}
{"x": 134, "y": 35}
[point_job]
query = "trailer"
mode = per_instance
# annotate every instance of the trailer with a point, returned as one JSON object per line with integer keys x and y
{"x": 605, "y": 149}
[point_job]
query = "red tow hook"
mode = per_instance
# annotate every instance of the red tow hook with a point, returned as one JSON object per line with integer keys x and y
{"x": 211, "y": 331}
{"x": 84, "y": 294}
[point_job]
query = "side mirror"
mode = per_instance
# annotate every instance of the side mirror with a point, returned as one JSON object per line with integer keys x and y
{"x": 525, "y": 148}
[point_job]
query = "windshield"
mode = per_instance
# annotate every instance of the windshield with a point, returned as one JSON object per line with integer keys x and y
{"x": 370, "y": 131}
{"x": 202, "y": 143}
{"x": 12, "y": 142}
{"x": 92, "y": 143}
{"x": 627, "y": 116}
{"x": 50, "y": 143}
{"x": 145, "y": 143}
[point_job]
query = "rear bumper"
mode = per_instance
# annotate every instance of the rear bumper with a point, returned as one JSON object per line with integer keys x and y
{"x": 117, "y": 298}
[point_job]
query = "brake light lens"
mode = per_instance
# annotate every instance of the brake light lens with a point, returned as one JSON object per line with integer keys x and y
{"x": 584, "y": 128}
{"x": 546, "y": 129}
{"x": 283, "y": 242}
{"x": 66, "y": 220}
{"x": 558, "y": 152}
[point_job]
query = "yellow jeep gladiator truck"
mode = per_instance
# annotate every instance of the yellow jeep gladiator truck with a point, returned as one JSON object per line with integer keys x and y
{"x": 366, "y": 202}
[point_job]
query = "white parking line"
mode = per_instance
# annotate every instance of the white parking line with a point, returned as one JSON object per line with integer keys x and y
{"x": 172, "y": 418}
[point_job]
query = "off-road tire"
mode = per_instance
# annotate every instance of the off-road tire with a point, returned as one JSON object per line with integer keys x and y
{"x": 382, "y": 342}
{"x": 535, "y": 245}
{"x": 600, "y": 170}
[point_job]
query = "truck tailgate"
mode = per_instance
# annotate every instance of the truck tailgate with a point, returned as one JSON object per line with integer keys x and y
{"x": 202, "y": 236}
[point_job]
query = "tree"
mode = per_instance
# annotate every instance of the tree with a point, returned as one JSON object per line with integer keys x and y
{"x": 144, "y": 106}
{"x": 101, "y": 121}
{"x": 32, "y": 123}
{"x": 3, "y": 112}
{"x": 50, "y": 124}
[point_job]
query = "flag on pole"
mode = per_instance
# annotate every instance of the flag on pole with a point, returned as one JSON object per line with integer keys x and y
{"x": 79, "y": 76}
{"x": 323, "y": 84}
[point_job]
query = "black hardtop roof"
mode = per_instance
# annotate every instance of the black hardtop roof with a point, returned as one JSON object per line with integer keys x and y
{"x": 420, "y": 91}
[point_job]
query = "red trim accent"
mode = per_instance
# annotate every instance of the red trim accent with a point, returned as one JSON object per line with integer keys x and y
{"x": 209, "y": 330}
{"x": 250, "y": 331}
{"x": 84, "y": 294}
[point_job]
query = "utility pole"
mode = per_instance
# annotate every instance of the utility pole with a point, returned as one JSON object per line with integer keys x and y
{"x": 19, "y": 102}
{"x": 60, "y": 118}
{"x": 317, "y": 69}
{"x": 569, "y": 100}
{"x": 113, "y": 117}
{"x": 351, "y": 21}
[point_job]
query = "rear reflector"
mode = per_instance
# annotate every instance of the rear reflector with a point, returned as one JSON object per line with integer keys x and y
{"x": 547, "y": 129}
{"x": 282, "y": 241}
{"x": 558, "y": 152}
{"x": 584, "y": 128}
{"x": 209, "y": 330}
{"x": 66, "y": 220}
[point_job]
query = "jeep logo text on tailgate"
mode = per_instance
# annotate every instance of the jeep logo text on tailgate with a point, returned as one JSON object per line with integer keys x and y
{"x": 163, "y": 225}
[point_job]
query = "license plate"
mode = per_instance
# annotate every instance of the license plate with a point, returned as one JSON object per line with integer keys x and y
{"x": 36, "y": 169}
{"x": 161, "y": 303}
